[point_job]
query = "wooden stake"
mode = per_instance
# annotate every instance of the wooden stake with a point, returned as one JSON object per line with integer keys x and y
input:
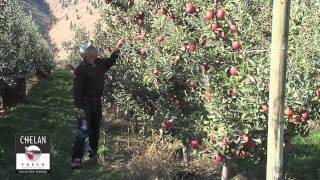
{"x": 279, "y": 49}
{"x": 225, "y": 172}
{"x": 185, "y": 156}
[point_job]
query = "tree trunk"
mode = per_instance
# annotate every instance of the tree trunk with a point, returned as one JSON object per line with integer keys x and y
{"x": 225, "y": 172}
{"x": 185, "y": 156}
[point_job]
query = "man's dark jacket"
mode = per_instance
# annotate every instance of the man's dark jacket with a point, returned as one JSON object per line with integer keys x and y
{"x": 89, "y": 81}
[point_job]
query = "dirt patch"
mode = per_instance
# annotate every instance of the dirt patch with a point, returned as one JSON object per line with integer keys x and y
{"x": 132, "y": 156}
{"x": 82, "y": 14}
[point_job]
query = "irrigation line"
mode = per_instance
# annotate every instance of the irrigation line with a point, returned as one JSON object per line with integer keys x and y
{"x": 256, "y": 50}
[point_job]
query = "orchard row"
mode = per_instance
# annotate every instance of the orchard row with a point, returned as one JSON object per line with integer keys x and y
{"x": 184, "y": 69}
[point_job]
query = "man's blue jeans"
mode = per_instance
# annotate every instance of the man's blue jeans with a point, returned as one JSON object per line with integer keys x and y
{"x": 92, "y": 108}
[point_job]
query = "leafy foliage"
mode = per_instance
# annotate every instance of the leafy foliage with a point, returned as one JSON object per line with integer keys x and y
{"x": 22, "y": 48}
{"x": 205, "y": 76}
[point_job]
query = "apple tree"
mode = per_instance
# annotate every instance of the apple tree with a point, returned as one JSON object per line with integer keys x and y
{"x": 199, "y": 70}
{"x": 22, "y": 47}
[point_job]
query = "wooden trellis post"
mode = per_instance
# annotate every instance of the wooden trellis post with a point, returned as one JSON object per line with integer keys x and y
{"x": 278, "y": 67}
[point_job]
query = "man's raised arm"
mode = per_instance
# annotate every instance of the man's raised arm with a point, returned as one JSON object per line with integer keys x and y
{"x": 114, "y": 55}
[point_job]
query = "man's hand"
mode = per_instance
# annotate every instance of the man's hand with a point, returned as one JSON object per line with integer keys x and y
{"x": 130, "y": 3}
{"x": 118, "y": 46}
{"x": 81, "y": 113}
{"x": 120, "y": 43}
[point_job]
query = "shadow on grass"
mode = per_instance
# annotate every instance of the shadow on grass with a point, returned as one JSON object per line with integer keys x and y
{"x": 304, "y": 160}
{"x": 301, "y": 163}
{"x": 48, "y": 108}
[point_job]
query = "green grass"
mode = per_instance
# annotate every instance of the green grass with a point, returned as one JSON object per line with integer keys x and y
{"x": 303, "y": 162}
{"x": 48, "y": 108}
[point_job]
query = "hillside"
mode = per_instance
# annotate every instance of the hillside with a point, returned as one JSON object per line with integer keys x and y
{"x": 75, "y": 15}
{"x": 41, "y": 14}
{"x": 57, "y": 19}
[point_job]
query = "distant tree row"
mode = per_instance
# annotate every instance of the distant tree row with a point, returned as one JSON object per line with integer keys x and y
{"x": 42, "y": 6}
{"x": 67, "y": 3}
{"x": 22, "y": 48}
{"x": 41, "y": 13}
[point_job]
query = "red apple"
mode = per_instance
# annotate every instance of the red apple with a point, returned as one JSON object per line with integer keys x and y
{"x": 204, "y": 67}
{"x": 139, "y": 22}
{"x": 163, "y": 10}
{"x": 243, "y": 153}
{"x": 107, "y": 1}
{"x": 218, "y": 157}
{"x": 202, "y": 42}
{"x": 166, "y": 124}
{"x": 232, "y": 91}
{"x": 154, "y": 11}
{"x": 225, "y": 140}
{"x": 181, "y": 82}
{"x": 214, "y": 26}
{"x": 207, "y": 98}
{"x": 160, "y": 38}
{"x": 233, "y": 71}
{"x": 265, "y": 107}
{"x": 220, "y": 14}
{"x": 205, "y": 149}
{"x": 304, "y": 115}
{"x": 172, "y": 16}
{"x": 233, "y": 27}
{"x": 194, "y": 143}
{"x": 210, "y": 15}
{"x": 191, "y": 47}
{"x": 192, "y": 84}
{"x": 190, "y": 8}
{"x": 289, "y": 112}
{"x": 250, "y": 144}
{"x": 141, "y": 37}
{"x": 244, "y": 137}
{"x": 142, "y": 51}
{"x": 181, "y": 104}
{"x": 236, "y": 45}
{"x": 318, "y": 92}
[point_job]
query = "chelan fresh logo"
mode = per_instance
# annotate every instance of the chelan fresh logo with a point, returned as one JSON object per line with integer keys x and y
{"x": 32, "y": 153}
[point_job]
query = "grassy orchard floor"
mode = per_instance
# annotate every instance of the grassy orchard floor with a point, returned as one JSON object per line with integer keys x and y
{"x": 303, "y": 162}
{"x": 49, "y": 108}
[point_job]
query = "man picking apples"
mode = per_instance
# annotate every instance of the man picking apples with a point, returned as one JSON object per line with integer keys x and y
{"x": 88, "y": 87}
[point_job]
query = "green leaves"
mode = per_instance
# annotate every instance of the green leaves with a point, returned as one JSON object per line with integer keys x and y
{"x": 231, "y": 106}
{"x": 22, "y": 47}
